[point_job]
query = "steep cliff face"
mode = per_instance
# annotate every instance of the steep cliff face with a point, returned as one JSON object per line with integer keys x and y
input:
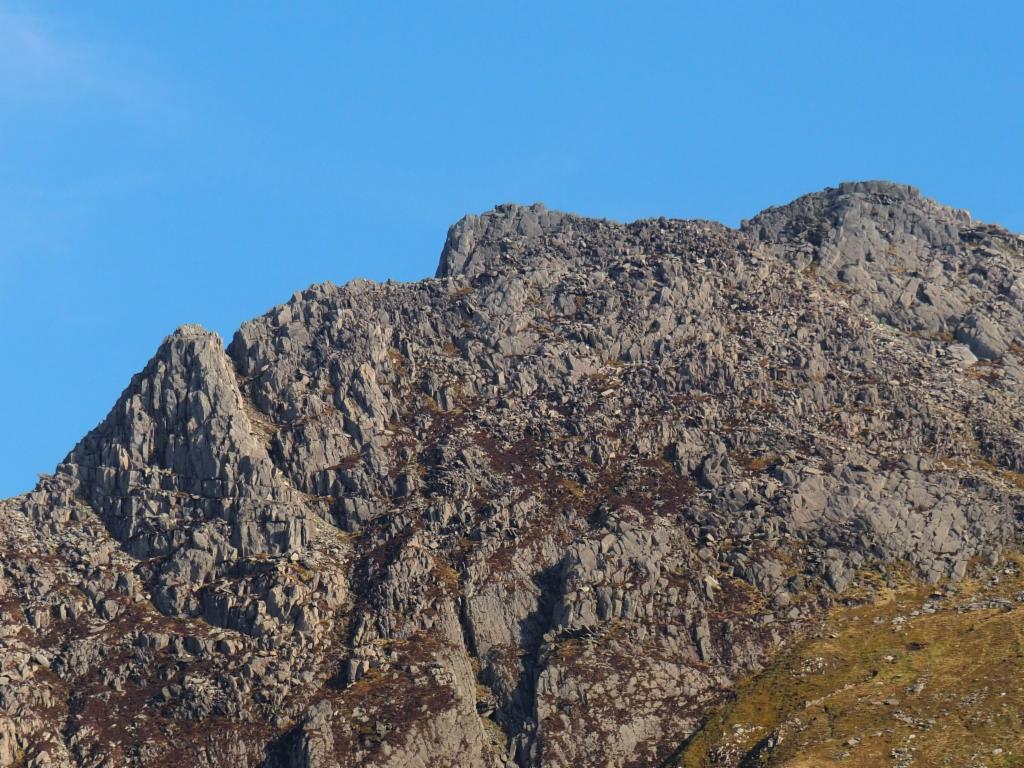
{"x": 179, "y": 477}
{"x": 541, "y": 510}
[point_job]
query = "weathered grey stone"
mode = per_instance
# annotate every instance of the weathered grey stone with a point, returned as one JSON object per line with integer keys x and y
{"x": 543, "y": 509}
{"x": 984, "y": 337}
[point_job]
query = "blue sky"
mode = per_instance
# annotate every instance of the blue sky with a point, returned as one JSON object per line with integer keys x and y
{"x": 199, "y": 162}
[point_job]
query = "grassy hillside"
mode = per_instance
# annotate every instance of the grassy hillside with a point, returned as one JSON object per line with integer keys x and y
{"x": 903, "y": 675}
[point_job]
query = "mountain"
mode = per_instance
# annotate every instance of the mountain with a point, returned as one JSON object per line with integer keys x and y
{"x": 560, "y": 505}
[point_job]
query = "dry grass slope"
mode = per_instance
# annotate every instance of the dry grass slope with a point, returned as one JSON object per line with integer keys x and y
{"x": 902, "y": 675}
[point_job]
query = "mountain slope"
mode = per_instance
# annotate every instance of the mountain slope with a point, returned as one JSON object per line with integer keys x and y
{"x": 544, "y": 509}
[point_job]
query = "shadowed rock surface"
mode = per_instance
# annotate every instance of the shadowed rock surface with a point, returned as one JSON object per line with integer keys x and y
{"x": 541, "y": 510}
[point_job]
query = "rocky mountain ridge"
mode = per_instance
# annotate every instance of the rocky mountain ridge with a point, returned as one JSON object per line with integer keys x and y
{"x": 541, "y": 510}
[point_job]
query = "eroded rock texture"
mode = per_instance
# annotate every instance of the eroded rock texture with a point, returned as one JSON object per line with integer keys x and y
{"x": 541, "y": 510}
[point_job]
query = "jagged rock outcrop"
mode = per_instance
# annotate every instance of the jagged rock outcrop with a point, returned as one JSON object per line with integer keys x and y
{"x": 541, "y": 510}
{"x": 181, "y": 480}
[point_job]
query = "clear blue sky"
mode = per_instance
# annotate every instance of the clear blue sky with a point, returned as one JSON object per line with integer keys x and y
{"x": 163, "y": 163}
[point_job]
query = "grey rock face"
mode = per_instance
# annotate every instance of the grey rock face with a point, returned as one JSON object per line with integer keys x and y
{"x": 541, "y": 510}
{"x": 912, "y": 262}
{"x": 476, "y": 242}
{"x": 178, "y": 474}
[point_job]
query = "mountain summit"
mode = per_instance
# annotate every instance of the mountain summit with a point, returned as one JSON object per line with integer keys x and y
{"x": 547, "y": 508}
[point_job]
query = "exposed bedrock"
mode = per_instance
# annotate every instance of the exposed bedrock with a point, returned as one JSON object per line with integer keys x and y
{"x": 543, "y": 509}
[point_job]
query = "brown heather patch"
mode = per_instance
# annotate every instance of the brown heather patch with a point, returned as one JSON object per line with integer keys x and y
{"x": 347, "y": 462}
{"x": 446, "y": 575}
{"x": 1015, "y": 479}
{"x": 393, "y": 698}
{"x": 756, "y": 463}
{"x": 984, "y": 370}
